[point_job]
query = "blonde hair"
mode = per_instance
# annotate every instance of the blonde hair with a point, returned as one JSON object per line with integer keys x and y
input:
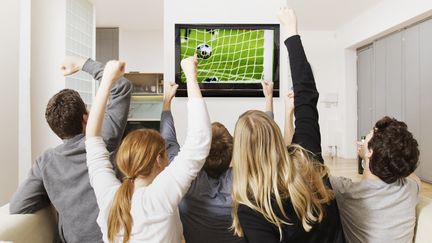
{"x": 135, "y": 158}
{"x": 266, "y": 173}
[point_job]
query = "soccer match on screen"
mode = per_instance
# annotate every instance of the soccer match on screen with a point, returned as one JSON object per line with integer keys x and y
{"x": 229, "y": 55}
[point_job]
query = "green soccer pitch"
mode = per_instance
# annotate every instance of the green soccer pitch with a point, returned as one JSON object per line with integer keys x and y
{"x": 237, "y": 55}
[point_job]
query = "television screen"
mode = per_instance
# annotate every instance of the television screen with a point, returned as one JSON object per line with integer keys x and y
{"x": 233, "y": 59}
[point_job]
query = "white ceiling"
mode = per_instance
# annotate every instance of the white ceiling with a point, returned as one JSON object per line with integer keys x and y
{"x": 129, "y": 14}
{"x": 328, "y": 14}
{"x": 148, "y": 14}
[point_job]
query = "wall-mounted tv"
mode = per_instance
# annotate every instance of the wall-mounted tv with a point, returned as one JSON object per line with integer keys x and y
{"x": 233, "y": 59}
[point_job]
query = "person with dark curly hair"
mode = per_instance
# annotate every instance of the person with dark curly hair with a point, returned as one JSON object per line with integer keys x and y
{"x": 381, "y": 207}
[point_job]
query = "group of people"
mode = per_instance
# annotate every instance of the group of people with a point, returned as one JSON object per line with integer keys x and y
{"x": 257, "y": 186}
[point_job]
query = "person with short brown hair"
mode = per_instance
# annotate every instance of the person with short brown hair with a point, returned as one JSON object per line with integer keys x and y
{"x": 205, "y": 210}
{"x": 219, "y": 159}
{"x": 60, "y": 176}
{"x": 64, "y": 113}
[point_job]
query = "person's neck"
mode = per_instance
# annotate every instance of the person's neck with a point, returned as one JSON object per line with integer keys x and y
{"x": 144, "y": 181}
{"x": 367, "y": 174}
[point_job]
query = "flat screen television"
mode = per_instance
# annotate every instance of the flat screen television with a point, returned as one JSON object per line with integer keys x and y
{"x": 233, "y": 59}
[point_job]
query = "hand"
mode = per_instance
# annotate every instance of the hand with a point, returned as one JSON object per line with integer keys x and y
{"x": 361, "y": 149}
{"x": 267, "y": 89}
{"x": 288, "y": 21}
{"x": 170, "y": 91}
{"x": 71, "y": 65}
{"x": 189, "y": 66}
{"x": 113, "y": 71}
{"x": 289, "y": 100}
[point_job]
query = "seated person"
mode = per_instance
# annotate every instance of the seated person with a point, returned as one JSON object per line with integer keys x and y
{"x": 381, "y": 207}
{"x": 283, "y": 194}
{"x": 143, "y": 206}
{"x": 205, "y": 211}
{"x": 59, "y": 176}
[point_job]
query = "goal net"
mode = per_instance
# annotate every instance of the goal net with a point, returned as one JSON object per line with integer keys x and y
{"x": 238, "y": 55}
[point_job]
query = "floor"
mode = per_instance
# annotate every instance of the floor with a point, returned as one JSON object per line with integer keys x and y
{"x": 348, "y": 168}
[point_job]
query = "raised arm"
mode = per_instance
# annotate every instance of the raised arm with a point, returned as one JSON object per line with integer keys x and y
{"x": 307, "y": 131}
{"x": 101, "y": 173}
{"x": 268, "y": 95}
{"x": 289, "y": 117}
{"x": 167, "y": 128}
{"x": 171, "y": 185}
{"x": 115, "y": 117}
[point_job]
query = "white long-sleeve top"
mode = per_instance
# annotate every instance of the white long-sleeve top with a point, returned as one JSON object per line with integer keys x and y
{"x": 154, "y": 208}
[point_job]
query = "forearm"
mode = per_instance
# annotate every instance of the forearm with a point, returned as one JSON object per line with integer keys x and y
{"x": 96, "y": 117}
{"x": 289, "y": 126}
{"x": 95, "y": 69}
{"x": 307, "y": 131}
{"x": 168, "y": 132}
{"x": 193, "y": 88}
{"x": 166, "y": 105}
{"x": 269, "y": 104}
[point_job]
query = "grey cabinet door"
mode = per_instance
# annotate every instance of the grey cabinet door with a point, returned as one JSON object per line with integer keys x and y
{"x": 401, "y": 84}
{"x": 107, "y": 44}
{"x": 411, "y": 77}
{"x": 380, "y": 80}
{"x": 425, "y": 34}
{"x": 365, "y": 91}
{"x": 393, "y": 71}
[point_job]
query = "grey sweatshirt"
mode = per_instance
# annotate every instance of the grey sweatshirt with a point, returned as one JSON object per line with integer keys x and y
{"x": 205, "y": 210}
{"x": 59, "y": 176}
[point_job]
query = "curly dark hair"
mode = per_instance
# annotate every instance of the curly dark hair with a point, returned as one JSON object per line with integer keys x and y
{"x": 395, "y": 151}
{"x": 219, "y": 158}
{"x": 64, "y": 113}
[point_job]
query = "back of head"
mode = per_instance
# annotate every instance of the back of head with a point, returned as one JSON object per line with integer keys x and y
{"x": 135, "y": 158}
{"x": 219, "y": 158}
{"x": 395, "y": 151}
{"x": 64, "y": 113}
{"x": 265, "y": 174}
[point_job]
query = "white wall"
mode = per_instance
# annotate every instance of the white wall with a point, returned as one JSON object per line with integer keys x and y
{"x": 9, "y": 49}
{"x": 320, "y": 47}
{"x": 142, "y": 50}
{"x": 48, "y": 48}
{"x": 383, "y": 18}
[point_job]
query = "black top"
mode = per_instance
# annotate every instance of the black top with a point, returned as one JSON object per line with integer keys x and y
{"x": 307, "y": 134}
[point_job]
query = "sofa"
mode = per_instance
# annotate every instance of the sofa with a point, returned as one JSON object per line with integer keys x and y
{"x": 40, "y": 227}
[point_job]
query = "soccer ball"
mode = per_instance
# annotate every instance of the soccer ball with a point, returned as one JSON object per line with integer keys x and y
{"x": 204, "y": 51}
{"x": 211, "y": 79}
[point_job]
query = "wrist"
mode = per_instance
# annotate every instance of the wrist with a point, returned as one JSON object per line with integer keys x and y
{"x": 269, "y": 98}
{"x": 82, "y": 62}
{"x": 191, "y": 78}
{"x": 105, "y": 84}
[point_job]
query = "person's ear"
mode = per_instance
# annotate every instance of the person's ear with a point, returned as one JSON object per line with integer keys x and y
{"x": 85, "y": 119}
{"x": 369, "y": 154}
{"x": 159, "y": 162}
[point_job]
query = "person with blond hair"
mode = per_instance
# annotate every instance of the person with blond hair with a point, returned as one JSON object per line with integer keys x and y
{"x": 205, "y": 210}
{"x": 283, "y": 194}
{"x": 143, "y": 206}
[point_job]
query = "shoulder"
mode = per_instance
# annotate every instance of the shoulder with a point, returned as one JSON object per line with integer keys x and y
{"x": 340, "y": 184}
{"x": 45, "y": 159}
{"x": 414, "y": 181}
{"x": 254, "y": 224}
{"x": 247, "y": 214}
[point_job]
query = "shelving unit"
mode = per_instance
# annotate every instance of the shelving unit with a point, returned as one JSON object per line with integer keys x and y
{"x": 147, "y": 96}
